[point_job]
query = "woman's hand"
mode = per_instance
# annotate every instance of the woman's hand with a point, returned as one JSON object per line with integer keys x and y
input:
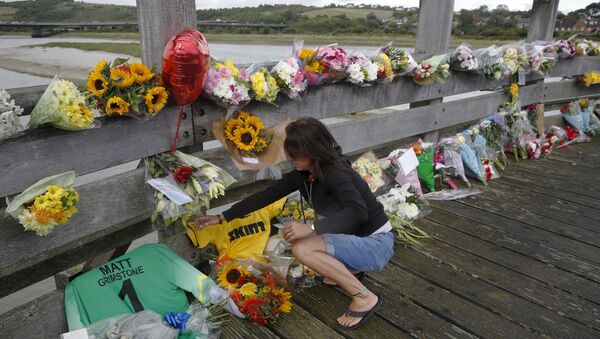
{"x": 207, "y": 220}
{"x": 295, "y": 230}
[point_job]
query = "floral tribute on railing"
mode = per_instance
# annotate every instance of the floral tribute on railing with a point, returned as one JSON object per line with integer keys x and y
{"x": 250, "y": 143}
{"x": 62, "y": 106}
{"x": 227, "y": 85}
{"x": 184, "y": 185}
{"x": 123, "y": 88}
{"x": 9, "y": 117}
{"x": 46, "y": 204}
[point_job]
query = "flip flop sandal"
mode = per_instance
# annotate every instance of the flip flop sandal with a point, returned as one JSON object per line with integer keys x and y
{"x": 363, "y": 315}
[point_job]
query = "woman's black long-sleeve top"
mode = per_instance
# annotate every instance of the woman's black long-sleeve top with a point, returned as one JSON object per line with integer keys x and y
{"x": 343, "y": 199}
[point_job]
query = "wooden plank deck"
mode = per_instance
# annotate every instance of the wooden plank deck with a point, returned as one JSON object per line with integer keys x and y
{"x": 520, "y": 260}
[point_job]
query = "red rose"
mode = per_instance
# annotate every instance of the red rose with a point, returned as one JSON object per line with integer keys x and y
{"x": 182, "y": 174}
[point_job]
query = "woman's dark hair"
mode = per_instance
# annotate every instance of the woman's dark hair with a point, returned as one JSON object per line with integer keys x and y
{"x": 308, "y": 137}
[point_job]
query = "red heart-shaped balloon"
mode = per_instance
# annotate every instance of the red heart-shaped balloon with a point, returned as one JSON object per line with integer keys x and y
{"x": 185, "y": 65}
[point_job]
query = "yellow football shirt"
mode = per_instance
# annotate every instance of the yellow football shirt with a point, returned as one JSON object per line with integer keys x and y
{"x": 239, "y": 238}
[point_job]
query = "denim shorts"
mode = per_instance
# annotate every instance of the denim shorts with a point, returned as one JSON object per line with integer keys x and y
{"x": 365, "y": 254}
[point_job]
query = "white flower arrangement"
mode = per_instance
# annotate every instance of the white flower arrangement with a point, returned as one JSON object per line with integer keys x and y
{"x": 361, "y": 70}
{"x": 9, "y": 116}
{"x": 291, "y": 76}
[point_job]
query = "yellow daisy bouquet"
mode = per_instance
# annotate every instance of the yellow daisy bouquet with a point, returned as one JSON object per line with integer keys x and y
{"x": 254, "y": 290}
{"x": 46, "y": 204}
{"x": 62, "y": 106}
{"x": 264, "y": 86}
{"x": 124, "y": 88}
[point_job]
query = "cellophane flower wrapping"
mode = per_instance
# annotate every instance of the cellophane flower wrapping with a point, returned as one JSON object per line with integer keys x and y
{"x": 334, "y": 61}
{"x": 361, "y": 70}
{"x": 402, "y": 62}
{"x": 255, "y": 287}
{"x": 124, "y": 88}
{"x": 227, "y": 85}
{"x": 62, "y": 106}
{"x": 425, "y": 170}
{"x": 470, "y": 159}
{"x": 589, "y": 125}
{"x": 493, "y": 129}
{"x": 432, "y": 70}
{"x": 565, "y": 49}
{"x": 368, "y": 167}
{"x": 46, "y": 204}
{"x": 571, "y": 112}
{"x": 198, "y": 178}
{"x": 453, "y": 160}
{"x": 411, "y": 178}
{"x": 314, "y": 72}
{"x": 252, "y": 146}
{"x": 10, "y": 126}
{"x": 518, "y": 126}
{"x": 296, "y": 210}
{"x": 290, "y": 75}
{"x": 264, "y": 85}
{"x": 486, "y": 155}
{"x": 511, "y": 58}
{"x": 491, "y": 64}
{"x": 535, "y": 56}
{"x": 463, "y": 59}
{"x": 402, "y": 205}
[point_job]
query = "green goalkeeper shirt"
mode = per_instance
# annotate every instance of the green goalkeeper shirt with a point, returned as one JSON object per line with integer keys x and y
{"x": 151, "y": 277}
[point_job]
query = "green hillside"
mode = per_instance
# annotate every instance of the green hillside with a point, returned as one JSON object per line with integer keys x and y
{"x": 351, "y": 13}
{"x": 65, "y": 11}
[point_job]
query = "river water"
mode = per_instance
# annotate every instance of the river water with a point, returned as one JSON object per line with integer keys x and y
{"x": 22, "y": 64}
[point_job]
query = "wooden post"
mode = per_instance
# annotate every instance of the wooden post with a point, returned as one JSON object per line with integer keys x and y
{"x": 543, "y": 20}
{"x": 434, "y": 32}
{"x": 435, "y": 26}
{"x": 158, "y": 21}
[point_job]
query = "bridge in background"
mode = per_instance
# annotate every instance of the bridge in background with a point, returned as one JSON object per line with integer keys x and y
{"x": 42, "y": 29}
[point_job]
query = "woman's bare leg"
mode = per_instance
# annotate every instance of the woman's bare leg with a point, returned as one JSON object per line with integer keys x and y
{"x": 311, "y": 251}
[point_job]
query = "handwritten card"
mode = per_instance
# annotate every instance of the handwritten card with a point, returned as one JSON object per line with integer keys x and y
{"x": 408, "y": 161}
{"x": 171, "y": 190}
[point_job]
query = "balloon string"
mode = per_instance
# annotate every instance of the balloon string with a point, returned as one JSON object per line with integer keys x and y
{"x": 174, "y": 144}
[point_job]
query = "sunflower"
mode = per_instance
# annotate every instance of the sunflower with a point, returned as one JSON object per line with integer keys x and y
{"x": 245, "y": 138}
{"x": 229, "y": 276}
{"x": 116, "y": 105}
{"x": 140, "y": 73}
{"x": 254, "y": 122}
{"x": 243, "y": 116}
{"x": 261, "y": 145}
{"x": 284, "y": 298}
{"x": 121, "y": 77}
{"x": 96, "y": 84}
{"x": 583, "y": 102}
{"x": 249, "y": 289}
{"x": 155, "y": 99}
{"x": 305, "y": 53}
{"x": 99, "y": 66}
{"x": 231, "y": 126}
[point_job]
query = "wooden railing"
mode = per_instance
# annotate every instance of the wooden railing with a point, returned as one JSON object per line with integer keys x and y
{"x": 114, "y": 211}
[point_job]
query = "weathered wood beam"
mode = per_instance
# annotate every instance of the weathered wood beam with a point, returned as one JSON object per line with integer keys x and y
{"x": 543, "y": 20}
{"x": 158, "y": 21}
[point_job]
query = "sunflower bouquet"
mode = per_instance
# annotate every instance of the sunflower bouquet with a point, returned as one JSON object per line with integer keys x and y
{"x": 227, "y": 85}
{"x": 250, "y": 143}
{"x": 123, "y": 88}
{"x": 254, "y": 290}
{"x": 62, "y": 106}
{"x": 199, "y": 179}
{"x": 402, "y": 62}
{"x": 264, "y": 86}
{"x": 46, "y": 204}
{"x": 434, "y": 69}
{"x": 9, "y": 116}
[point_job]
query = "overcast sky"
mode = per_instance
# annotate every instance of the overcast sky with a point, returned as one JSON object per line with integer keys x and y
{"x": 564, "y": 6}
